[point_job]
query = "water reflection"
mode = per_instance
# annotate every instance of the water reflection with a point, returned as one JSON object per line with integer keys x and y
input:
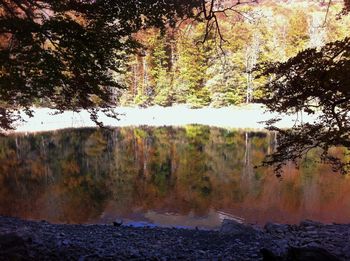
{"x": 192, "y": 176}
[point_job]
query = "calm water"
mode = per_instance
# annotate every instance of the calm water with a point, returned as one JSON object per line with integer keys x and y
{"x": 192, "y": 176}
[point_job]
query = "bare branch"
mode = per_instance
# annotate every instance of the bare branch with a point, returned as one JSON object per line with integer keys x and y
{"x": 328, "y": 7}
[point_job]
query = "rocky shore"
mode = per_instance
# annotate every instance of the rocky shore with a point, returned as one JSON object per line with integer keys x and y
{"x": 30, "y": 240}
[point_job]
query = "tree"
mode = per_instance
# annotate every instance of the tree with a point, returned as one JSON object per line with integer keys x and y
{"x": 160, "y": 70}
{"x": 315, "y": 82}
{"x": 312, "y": 82}
{"x": 192, "y": 65}
{"x": 65, "y": 52}
{"x": 227, "y": 72}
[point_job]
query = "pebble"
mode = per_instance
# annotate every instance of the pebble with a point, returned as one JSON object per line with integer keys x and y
{"x": 93, "y": 242}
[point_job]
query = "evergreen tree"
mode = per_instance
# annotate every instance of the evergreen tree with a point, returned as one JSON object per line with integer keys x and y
{"x": 160, "y": 71}
{"x": 191, "y": 66}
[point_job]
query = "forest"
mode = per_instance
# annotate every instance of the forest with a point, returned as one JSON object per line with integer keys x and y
{"x": 291, "y": 56}
{"x": 175, "y": 65}
{"x": 86, "y": 59}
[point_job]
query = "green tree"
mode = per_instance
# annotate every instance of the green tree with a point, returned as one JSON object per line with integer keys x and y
{"x": 226, "y": 73}
{"x": 160, "y": 71}
{"x": 191, "y": 67}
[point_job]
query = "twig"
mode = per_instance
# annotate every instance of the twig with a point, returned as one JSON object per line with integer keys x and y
{"x": 328, "y": 7}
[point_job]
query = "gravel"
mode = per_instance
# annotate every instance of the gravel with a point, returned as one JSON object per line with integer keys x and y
{"x": 33, "y": 240}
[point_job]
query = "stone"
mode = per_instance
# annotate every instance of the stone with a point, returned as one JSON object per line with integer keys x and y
{"x": 105, "y": 242}
{"x": 282, "y": 243}
{"x": 229, "y": 226}
{"x": 307, "y": 223}
{"x": 118, "y": 222}
{"x": 346, "y": 249}
{"x": 313, "y": 244}
{"x": 11, "y": 240}
{"x": 312, "y": 233}
{"x": 276, "y": 228}
{"x": 268, "y": 255}
{"x": 310, "y": 254}
{"x": 12, "y": 247}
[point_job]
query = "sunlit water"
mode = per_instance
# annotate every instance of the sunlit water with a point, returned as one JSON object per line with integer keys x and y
{"x": 187, "y": 177}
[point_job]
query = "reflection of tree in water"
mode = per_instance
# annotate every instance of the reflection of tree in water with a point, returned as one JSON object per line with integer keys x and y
{"x": 48, "y": 174}
{"x": 247, "y": 158}
{"x": 75, "y": 175}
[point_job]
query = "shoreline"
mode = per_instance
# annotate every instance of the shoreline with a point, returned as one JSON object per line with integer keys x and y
{"x": 245, "y": 117}
{"x": 34, "y": 240}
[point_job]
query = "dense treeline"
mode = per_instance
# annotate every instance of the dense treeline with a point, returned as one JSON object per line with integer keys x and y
{"x": 176, "y": 66}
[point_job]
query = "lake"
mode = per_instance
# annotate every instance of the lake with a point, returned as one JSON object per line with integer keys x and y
{"x": 166, "y": 176}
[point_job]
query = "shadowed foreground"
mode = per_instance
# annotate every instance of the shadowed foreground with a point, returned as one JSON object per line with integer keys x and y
{"x": 28, "y": 240}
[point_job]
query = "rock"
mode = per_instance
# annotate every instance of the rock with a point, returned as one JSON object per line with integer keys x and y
{"x": 346, "y": 249}
{"x": 310, "y": 254}
{"x": 299, "y": 254}
{"x": 268, "y": 255}
{"x": 88, "y": 257}
{"x": 235, "y": 242}
{"x": 308, "y": 223}
{"x": 12, "y": 247}
{"x": 282, "y": 245}
{"x": 313, "y": 244}
{"x": 118, "y": 222}
{"x": 201, "y": 252}
{"x": 276, "y": 228}
{"x": 233, "y": 227}
{"x": 312, "y": 233}
{"x": 11, "y": 240}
